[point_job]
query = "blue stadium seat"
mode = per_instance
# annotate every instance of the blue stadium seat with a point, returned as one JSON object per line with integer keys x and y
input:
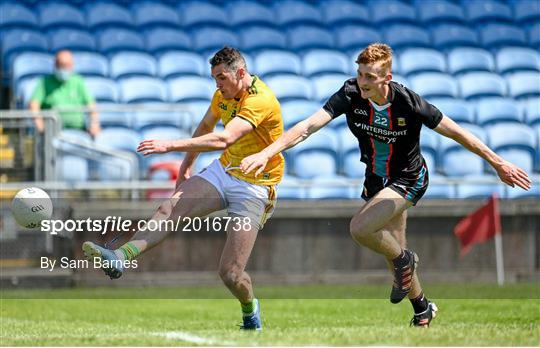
{"x": 477, "y": 190}
{"x": 142, "y": 89}
{"x": 205, "y": 159}
{"x": 294, "y": 111}
{"x": 291, "y": 188}
{"x": 16, "y": 15}
{"x": 429, "y": 144}
{"x": 480, "y": 12}
{"x": 352, "y": 38}
{"x": 460, "y": 162}
{"x": 144, "y": 120}
{"x": 481, "y": 84}
{"x": 526, "y": 11}
{"x": 287, "y": 87}
{"x": 72, "y": 168}
{"x": 211, "y": 39}
{"x": 292, "y": 12}
{"x": 159, "y": 40}
{"x": 417, "y": 60}
{"x": 326, "y": 85}
{"x": 438, "y": 190}
{"x": 330, "y": 187}
{"x": 258, "y": 37}
{"x": 534, "y": 35}
{"x": 55, "y": 14}
{"x": 119, "y": 139}
{"x": 190, "y": 88}
{"x": 72, "y": 39}
{"x": 441, "y": 11}
{"x": 109, "y": 119}
{"x": 197, "y": 14}
{"x": 513, "y": 59}
{"x": 524, "y": 84}
{"x": 499, "y": 35}
{"x": 164, "y": 133}
{"x": 504, "y": 136}
{"x": 273, "y": 62}
{"x": 467, "y": 59}
{"x": 522, "y": 158}
{"x": 21, "y": 40}
{"x": 401, "y": 80}
{"x": 519, "y": 193}
{"x": 349, "y": 154}
{"x": 532, "y": 113}
{"x": 128, "y": 64}
{"x": 75, "y": 135}
{"x": 536, "y": 129}
{"x": 90, "y": 64}
{"x": 401, "y": 36}
{"x": 392, "y": 11}
{"x": 343, "y": 12}
{"x": 316, "y": 156}
{"x": 101, "y": 15}
{"x": 24, "y": 90}
{"x": 308, "y": 37}
{"x": 448, "y": 36}
{"x": 458, "y": 110}
{"x": 495, "y": 110}
{"x": 102, "y": 89}
{"x": 434, "y": 85}
{"x": 253, "y": 13}
{"x": 149, "y": 14}
{"x": 113, "y": 40}
{"x": 31, "y": 64}
{"x": 178, "y": 63}
{"x": 446, "y": 144}
{"x": 197, "y": 110}
{"x": 317, "y": 62}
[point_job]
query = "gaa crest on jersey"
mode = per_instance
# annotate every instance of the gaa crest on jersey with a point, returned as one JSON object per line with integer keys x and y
{"x": 360, "y": 112}
{"x": 401, "y": 121}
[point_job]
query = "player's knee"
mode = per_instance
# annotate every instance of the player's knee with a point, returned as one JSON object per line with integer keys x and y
{"x": 359, "y": 230}
{"x": 229, "y": 275}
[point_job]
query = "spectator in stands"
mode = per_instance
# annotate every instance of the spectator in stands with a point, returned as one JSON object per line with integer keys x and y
{"x": 386, "y": 117}
{"x": 252, "y": 117}
{"x": 64, "y": 90}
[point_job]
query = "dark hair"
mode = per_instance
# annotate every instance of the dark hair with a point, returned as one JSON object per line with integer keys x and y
{"x": 230, "y": 57}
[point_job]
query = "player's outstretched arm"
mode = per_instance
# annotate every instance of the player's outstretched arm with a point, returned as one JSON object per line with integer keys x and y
{"x": 298, "y": 133}
{"x": 508, "y": 172}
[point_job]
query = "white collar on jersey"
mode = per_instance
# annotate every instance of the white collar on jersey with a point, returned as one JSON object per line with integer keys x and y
{"x": 379, "y": 107}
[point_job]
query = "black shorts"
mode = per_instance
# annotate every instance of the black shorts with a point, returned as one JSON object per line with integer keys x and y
{"x": 411, "y": 188}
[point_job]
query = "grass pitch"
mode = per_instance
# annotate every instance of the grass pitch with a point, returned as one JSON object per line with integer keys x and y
{"x": 95, "y": 317}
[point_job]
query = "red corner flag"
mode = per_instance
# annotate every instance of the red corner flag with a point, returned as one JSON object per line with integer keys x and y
{"x": 479, "y": 226}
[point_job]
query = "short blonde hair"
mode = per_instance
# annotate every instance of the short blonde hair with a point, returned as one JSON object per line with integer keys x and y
{"x": 376, "y": 53}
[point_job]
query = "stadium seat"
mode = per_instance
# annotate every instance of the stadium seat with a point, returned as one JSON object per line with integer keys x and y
{"x": 102, "y": 89}
{"x": 31, "y": 64}
{"x": 293, "y": 12}
{"x": 317, "y": 62}
{"x": 524, "y": 84}
{"x": 401, "y": 36}
{"x": 190, "y": 88}
{"x": 429, "y": 143}
{"x": 129, "y": 64}
{"x": 514, "y": 59}
{"x": 197, "y": 110}
{"x": 417, "y": 60}
{"x": 72, "y": 39}
{"x": 116, "y": 138}
{"x": 210, "y": 39}
{"x": 113, "y": 40}
{"x": 291, "y": 188}
{"x": 494, "y": 110}
{"x": 287, "y": 87}
{"x": 24, "y": 90}
{"x": 446, "y": 144}
{"x": 510, "y": 136}
{"x": 536, "y": 130}
{"x": 352, "y": 38}
{"x": 272, "y": 62}
{"x": 481, "y": 12}
{"x": 144, "y": 120}
{"x": 101, "y": 15}
{"x": 343, "y": 12}
{"x": 149, "y": 14}
{"x": 532, "y": 113}
{"x": 164, "y": 133}
{"x": 159, "y": 40}
{"x": 178, "y": 63}
{"x": 349, "y": 154}
{"x": 481, "y": 84}
{"x": 70, "y": 168}
{"x": 256, "y": 38}
{"x": 468, "y": 59}
{"x": 77, "y": 136}
{"x": 534, "y": 36}
{"x": 253, "y": 13}
{"x": 309, "y": 37}
{"x": 447, "y": 36}
{"x": 15, "y": 15}
{"x": 439, "y": 190}
{"x": 294, "y": 111}
{"x": 330, "y": 187}
{"x": 109, "y": 119}
{"x": 526, "y": 11}
{"x": 326, "y": 85}
{"x": 316, "y": 156}
{"x": 474, "y": 190}
{"x": 142, "y": 89}
{"x": 401, "y": 80}
{"x": 90, "y": 64}
{"x": 197, "y": 14}
{"x": 458, "y": 110}
{"x": 21, "y": 40}
{"x": 205, "y": 159}
{"x": 392, "y": 11}
{"x": 499, "y": 35}
{"x": 460, "y": 162}
{"x": 519, "y": 193}
{"x": 441, "y": 11}
{"x": 434, "y": 85}
{"x": 522, "y": 158}
{"x": 54, "y": 14}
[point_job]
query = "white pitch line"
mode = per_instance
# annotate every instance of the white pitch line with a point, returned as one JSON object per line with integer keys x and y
{"x": 187, "y": 337}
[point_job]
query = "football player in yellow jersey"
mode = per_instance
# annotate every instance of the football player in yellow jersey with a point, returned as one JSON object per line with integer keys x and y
{"x": 252, "y": 118}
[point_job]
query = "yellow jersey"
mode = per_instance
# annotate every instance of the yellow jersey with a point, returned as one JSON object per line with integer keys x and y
{"x": 260, "y": 107}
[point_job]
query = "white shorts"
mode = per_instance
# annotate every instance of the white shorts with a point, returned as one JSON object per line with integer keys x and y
{"x": 241, "y": 198}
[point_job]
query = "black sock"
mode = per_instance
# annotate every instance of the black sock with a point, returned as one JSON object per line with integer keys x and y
{"x": 402, "y": 260}
{"x": 420, "y": 303}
